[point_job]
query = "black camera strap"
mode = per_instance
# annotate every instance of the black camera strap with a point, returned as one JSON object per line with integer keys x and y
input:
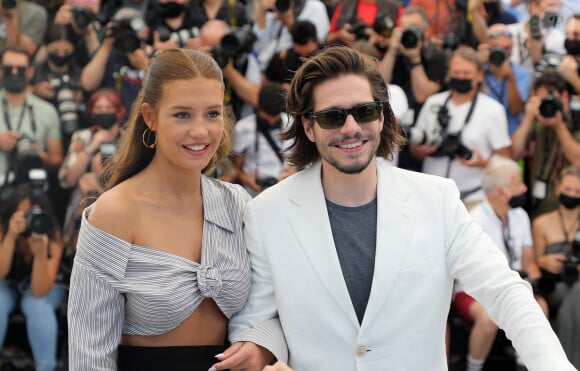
{"x": 7, "y": 117}
{"x": 263, "y": 127}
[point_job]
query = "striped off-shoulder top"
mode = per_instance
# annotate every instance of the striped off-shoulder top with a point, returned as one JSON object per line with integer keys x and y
{"x": 122, "y": 288}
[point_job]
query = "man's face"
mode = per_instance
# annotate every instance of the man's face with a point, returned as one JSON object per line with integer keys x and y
{"x": 499, "y": 35}
{"x": 415, "y": 20}
{"x": 573, "y": 29}
{"x": 352, "y": 147}
{"x": 461, "y": 68}
{"x": 307, "y": 49}
{"x": 15, "y": 63}
{"x": 516, "y": 186}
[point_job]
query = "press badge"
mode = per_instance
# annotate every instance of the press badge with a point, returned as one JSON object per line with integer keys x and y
{"x": 539, "y": 189}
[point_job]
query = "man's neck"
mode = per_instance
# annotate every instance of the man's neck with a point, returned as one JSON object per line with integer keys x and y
{"x": 458, "y": 98}
{"x": 16, "y": 99}
{"x": 350, "y": 190}
{"x": 500, "y": 208}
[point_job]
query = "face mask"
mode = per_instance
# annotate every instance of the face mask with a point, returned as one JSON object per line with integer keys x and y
{"x": 58, "y": 60}
{"x": 572, "y": 46}
{"x": 518, "y": 200}
{"x": 461, "y": 86}
{"x": 491, "y": 8}
{"x": 105, "y": 120}
{"x": 569, "y": 202}
{"x": 550, "y": 19}
{"x": 15, "y": 83}
{"x": 170, "y": 10}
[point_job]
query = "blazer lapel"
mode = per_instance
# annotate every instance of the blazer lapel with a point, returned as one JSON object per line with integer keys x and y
{"x": 309, "y": 222}
{"x": 395, "y": 226}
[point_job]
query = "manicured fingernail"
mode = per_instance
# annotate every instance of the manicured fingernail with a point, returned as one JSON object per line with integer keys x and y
{"x": 212, "y": 369}
{"x": 218, "y": 356}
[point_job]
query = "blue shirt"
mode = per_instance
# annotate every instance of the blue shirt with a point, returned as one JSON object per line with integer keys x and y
{"x": 498, "y": 90}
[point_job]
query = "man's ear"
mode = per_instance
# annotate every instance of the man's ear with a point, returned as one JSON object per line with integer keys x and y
{"x": 148, "y": 115}
{"x": 308, "y": 125}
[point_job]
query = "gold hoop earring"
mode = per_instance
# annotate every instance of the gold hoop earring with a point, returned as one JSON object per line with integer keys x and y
{"x": 147, "y": 138}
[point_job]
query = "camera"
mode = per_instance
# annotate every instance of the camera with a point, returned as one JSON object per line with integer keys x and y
{"x": 420, "y": 137}
{"x": 282, "y": 6}
{"x": 24, "y": 159}
{"x": 37, "y": 220}
{"x": 358, "y": 29}
{"x": 125, "y": 33}
{"x": 535, "y": 30}
{"x": 66, "y": 103}
{"x": 451, "y": 145}
{"x": 410, "y": 37}
{"x": 266, "y": 182}
{"x": 8, "y": 4}
{"x": 497, "y": 55}
{"x": 233, "y": 45}
{"x": 106, "y": 150}
{"x": 550, "y": 105}
{"x": 82, "y": 17}
{"x": 384, "y": 26}
{"x": 180, "y": 37}
{"x": 450, "y": 42}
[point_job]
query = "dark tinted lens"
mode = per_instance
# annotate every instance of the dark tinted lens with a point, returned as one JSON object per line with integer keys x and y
{"x": 335, "y": 118}
{"x": 20, "y": 70}
{"x": 331, "y": 119}
{"x": 367, "y": 112}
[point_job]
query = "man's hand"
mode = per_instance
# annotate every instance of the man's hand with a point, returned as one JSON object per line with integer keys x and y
{"x": 476, "y": 159}
{"x": 243, "y": 356}
{"x": 8, "y": 140}
{"x": 532, "y": 109}
{"x": 569, "y": 68}
{"x": 504, "y": 70}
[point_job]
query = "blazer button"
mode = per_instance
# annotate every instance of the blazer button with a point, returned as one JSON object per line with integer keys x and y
{"x": 361, "y": 350}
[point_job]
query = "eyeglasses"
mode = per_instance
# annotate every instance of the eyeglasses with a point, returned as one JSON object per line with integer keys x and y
{"x": 495, "y": 35}
{"x": 7, "y": 69}
{"x": 334, "y": 118}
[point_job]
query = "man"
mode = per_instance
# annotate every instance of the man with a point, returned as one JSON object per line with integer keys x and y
{"x": 256, "y": 144}
{"x": 548, "y": 139}
{"x": 418, "y": 68}
{"x": 506, "y": 82}
{"x": 472, "y": 126}
{"x": 29, "y": 126}
{"x": 357, "y": 258}
{"x": 501, "y": 216}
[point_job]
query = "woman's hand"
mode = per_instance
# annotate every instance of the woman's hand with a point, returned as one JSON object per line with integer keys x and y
{"x": 39, "y": 246}
{"x": 17, "y": 223}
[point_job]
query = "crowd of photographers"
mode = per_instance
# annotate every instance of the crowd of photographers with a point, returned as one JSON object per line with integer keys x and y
{"x": 469, "y": 79}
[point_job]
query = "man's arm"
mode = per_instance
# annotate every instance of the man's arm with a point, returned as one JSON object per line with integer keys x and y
{"x": 522, "y": 133}
{"x": 570, "y": 145}
{"x": 94, "y": 72}
{"x": 243, "y": 87}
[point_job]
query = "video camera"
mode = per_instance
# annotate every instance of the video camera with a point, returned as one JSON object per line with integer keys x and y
{"x": 233, "y": 45}
{"x": 451, "y": 145}
{"x": 550, "y": 105}
{"x": 38, "y": 221}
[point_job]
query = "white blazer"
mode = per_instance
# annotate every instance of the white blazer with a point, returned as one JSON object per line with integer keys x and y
{"x": 425, "y": 240}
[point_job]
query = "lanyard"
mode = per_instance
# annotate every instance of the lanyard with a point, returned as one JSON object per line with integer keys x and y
{"x": 7, "y": 117}
{"x": 498, "y": 94}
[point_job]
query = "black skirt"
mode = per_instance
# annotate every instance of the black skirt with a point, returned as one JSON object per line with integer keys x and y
{"x": 179, "y": 358}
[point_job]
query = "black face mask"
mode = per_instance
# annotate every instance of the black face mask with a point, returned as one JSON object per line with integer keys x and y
{"x": 461, "y": 86}
{"x": 569, "y": 202}
{"x": 15, "y": 83}
{"x": 518, "y": 200}
{"x": 492, "y": 8}
{"x": 170, "y": 9}
{"x": 58, "y": 60}
{"x": 105, "y": 120}
{"x": 572, "y": 46}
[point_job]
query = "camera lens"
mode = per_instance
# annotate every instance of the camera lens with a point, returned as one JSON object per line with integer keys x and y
{"x": 8, "y": 4}
{"x": 282, "y": 6}
{"x": 410, "y": 38}
{"x": 549, "y": 106}
{"x": 497, "y": 55}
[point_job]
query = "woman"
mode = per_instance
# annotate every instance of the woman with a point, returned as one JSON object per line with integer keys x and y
{"x": 557, "y": 242}
{"x": 161, "y": 264}
{"x": 29, "y": 264}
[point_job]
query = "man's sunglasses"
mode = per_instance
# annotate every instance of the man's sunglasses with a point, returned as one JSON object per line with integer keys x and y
{"x": 495, "y": 35}
{"x": 20, "y": 70}
{"x": 334, "y": 118}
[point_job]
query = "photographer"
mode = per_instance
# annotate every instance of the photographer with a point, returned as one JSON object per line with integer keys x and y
{"x": 471, "y": 124}
{"x": 239, "y": 65}
{"x": 273, "y": 19}
{"x": 22, "y": 25}
{"x": 256, "y": 144}
{"x": 547, "y": 138}
{"x": 557, "y": 245}
{"x": 29, "y": 126}
{"x": 171, "y": 25}
{"x": 570, "y": 65}
{"x": 414, "y": 65}
{"x": 506, "y": 82}
{"x": 502, "y": 217}
{"x": 30, "y": 254}
{"x": 121, "y": 59}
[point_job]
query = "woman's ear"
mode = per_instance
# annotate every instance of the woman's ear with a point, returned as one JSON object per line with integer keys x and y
{"x": 148, "y": 115}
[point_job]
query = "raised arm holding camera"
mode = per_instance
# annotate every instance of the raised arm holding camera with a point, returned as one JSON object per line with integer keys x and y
{"x": 30, "y": 254}
{"x": 22, "y": 24}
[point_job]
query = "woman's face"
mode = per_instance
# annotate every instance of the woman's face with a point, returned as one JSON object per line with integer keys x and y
{"x": 103, "y": 105}
{"x": 570, "y": 186}
{"x": 189, "y": 122}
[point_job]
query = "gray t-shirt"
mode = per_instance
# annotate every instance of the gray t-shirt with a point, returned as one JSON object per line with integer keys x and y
{"x": 354, "y": 230}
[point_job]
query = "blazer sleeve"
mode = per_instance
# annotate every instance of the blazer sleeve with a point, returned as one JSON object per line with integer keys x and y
{"x": 258, "y": 321}
{"x": 483, "y": 272}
